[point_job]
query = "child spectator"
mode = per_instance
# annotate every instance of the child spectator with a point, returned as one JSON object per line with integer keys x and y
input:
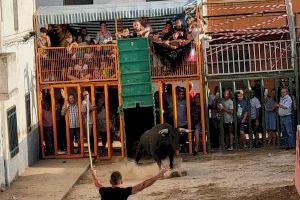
{"x": 139, "y": 30}
{"x": 167, "y": 31}
{"x": 255, "y": 107}
{"x": 79, "y": 71}
{"x": 70, "y": 45}
{"x": 88, "y": 56}
{"x": 182, "y": 117}
{"x": 86, "y": 38}
{"x": 270, "y": 117}
{"x": 179, "y": 31}
{"x": 123, "y": 34}
{"x": 43, "y": 41}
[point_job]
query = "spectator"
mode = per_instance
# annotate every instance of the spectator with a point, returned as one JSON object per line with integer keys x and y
{"x": 62, "y": 34}
{"x": 89, "y": 56}
{"x": 196, "y": 122}
{"x": 242, "y": 114}
{"x": 182, "y": 118}
{"x": 270, "y": 117}
{"x": 227, "y": 109}
{"x": 79, "y": 71}
{"x": 139, "y": 30}
{"x": 145, "y": 24}
{"x": 192, "y": 91}
{"x": 285, "y": 114}
{"x": 254, "y": 114}
{"x": 167, "y": 31}
{"x": 72, "y": 109}
{"x": 88, "y": 125}
{"x": 179, "y": 31}
{"x": 103, "y": 36}
{"x": 43, "y": 40}
{"x": 71, "y": 45}
{"x": 85, "y": 36}
{"x": 48, "y": 128}
{"x": 124, "y": 33}
{"x": 51, "y": 32}
{"x": 190, "y": 24}
{"x": 213, "y": 99}
{"x": 61, "y": 125}
{"x": 116, "y": 192}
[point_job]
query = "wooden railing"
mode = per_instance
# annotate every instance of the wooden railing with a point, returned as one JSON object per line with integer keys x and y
{"x": 78, "y": 64}
{"x": 186, "y": 67}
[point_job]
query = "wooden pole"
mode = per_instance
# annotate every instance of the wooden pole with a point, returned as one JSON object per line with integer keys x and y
{"x": 161, "y": 104}
{"x": 189, "y": 118}
{"x": 40, "y": 116}
{"x": 107, "y": 118}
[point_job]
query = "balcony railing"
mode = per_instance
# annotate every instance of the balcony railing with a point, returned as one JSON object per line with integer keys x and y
{"x": 78, "y": 64}
{"x": 251, "y": 57}
{"x": 187, "y": 66}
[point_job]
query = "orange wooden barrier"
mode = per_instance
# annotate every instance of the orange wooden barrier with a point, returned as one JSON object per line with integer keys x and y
{"x": 297, "y": 163}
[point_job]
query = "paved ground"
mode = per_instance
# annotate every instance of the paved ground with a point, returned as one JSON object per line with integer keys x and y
{"x": 47, "y": 179}
{"x": 259, "y": 174}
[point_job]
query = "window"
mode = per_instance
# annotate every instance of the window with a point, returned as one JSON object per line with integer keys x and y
{"x": 12, "y": 131}
{"x": 77, "y": 2}
{"x": 28, "y": 113}
{"x": 16, "y": 19}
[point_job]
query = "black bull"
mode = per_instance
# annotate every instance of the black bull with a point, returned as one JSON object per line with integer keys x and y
{"x": 160, "y": 142}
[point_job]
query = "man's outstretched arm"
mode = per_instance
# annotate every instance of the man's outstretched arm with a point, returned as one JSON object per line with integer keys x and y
{"x": 148, "y": 182}
{"x": 95, "y": 179}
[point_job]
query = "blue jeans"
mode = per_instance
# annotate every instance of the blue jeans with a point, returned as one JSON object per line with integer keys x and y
{"x": 287, "y": 131}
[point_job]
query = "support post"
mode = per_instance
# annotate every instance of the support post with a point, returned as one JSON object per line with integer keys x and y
{"x": 189, "y": 118}
{"x": 53, "y": 109}
{"x": 107, "y": 117}
{"x": 161, "y": 102}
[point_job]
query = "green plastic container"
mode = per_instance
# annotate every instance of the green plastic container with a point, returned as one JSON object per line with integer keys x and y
{"x": 135, "y": 72}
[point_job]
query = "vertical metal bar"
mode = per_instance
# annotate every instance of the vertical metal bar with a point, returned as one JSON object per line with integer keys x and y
{"x": 244, "y": 58}
{"x": 107, "y": 118}
{"x": 235, "y": 117}
{"x": 228, "y": 60}
{"x": 223, "y": 65}
{"x": 286, "y": 56}
{"x": 259, "y": 56}
{"x": 174, "y": 96}
{"x": 254, "y": 56}
{"x": 233, "y": 63}
{"x": 221, "y": 137}
{"x": 189, "y": 118}
{"x": 280, "y": 55}
{"x": 54, "y": 125}
{"x": 249, "y": 53}
{"x": 239, "y": 60}
{"x": 275, "y": 56}
{"x": 270, "y": 52}
{"x": 212, "y": 62}
{"x": 263, "y": 111}
{"x": 161, "y": 103}
{"x": 95, "y": 135}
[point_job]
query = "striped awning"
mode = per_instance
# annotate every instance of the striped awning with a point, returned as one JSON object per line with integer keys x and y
{"x": 109, "y": 11}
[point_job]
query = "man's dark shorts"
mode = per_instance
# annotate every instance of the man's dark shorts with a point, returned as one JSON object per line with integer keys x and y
{"x": 74, "y": 132}
{"x": 228, "y": 127}
{"x": 242, "y": 127}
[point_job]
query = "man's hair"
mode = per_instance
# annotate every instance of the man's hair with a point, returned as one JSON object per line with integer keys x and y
{"x": 124, "y": 28}
{"x": 115, "y": 178}
{"x": 43, "y": 30}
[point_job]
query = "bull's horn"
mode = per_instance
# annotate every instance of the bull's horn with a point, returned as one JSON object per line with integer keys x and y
{"x": 163, "y": 131}
{"x": 184, "y": 130}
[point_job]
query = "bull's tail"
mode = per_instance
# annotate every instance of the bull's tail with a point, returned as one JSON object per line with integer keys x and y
{"x": 139, "y": 153}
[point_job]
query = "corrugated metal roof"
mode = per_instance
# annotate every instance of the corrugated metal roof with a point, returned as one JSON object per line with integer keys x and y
{"x": 109, "y": 11}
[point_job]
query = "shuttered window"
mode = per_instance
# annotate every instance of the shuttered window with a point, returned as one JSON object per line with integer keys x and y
{"x": 12, "y": 131}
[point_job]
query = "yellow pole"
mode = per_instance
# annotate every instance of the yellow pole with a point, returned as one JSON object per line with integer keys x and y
{"x": 189, "y": 119}
{"x": 107, "y": 118}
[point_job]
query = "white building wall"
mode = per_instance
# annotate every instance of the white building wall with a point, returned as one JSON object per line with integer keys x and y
{"x": 21, "y": 80}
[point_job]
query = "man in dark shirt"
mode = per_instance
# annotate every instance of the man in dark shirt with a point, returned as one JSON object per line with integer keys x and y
{"x": 115, "y": 192}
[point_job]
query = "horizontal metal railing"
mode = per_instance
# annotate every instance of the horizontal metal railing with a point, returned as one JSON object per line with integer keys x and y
{"x": 77, "y": 64}
{"x": 250, "y": 57}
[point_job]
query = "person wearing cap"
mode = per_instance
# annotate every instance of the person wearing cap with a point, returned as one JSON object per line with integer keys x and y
{"x": 116, "y": 192}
